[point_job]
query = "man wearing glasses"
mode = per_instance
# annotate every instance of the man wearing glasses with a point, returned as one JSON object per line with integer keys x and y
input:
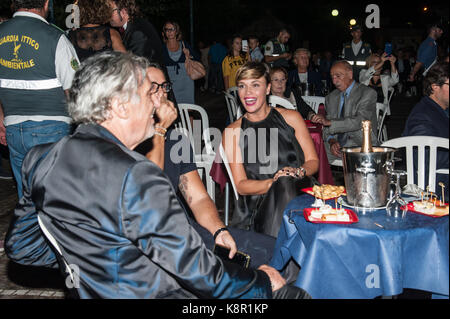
{"x": 118, "y": 219}
{"x": 172, "y": 152}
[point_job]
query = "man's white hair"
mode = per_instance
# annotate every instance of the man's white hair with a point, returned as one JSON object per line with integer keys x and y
{"x": 101, "y": 78}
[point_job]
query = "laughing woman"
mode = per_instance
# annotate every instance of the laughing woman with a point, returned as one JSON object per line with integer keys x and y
{"x": 270, "y": 152}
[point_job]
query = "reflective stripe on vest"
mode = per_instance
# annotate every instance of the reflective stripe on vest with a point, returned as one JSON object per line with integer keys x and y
{"x": 358, "y": 63}
{"x": 30, "y": 85}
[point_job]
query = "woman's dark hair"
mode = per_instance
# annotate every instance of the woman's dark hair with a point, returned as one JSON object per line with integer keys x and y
{"x": 437, "y": 75}
{"x": 242, "y": 54}
{"x": 94, "y": 11}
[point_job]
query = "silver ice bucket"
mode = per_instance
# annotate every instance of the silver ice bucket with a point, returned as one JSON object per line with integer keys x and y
{"x": 366, "y": 176}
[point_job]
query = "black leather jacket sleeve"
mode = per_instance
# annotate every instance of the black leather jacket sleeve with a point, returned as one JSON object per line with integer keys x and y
{"x": 158, "y": 226}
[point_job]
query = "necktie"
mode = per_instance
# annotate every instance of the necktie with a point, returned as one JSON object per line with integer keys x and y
{"x": 342, "y": 112}
{"x": 341, "y": 137}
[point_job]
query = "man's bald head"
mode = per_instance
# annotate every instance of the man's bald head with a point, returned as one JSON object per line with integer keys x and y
{"x": 342, "y": 75}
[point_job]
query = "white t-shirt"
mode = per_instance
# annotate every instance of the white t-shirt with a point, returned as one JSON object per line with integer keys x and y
{"x": 303, "y": 77}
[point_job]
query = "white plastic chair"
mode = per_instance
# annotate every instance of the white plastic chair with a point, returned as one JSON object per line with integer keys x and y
{"x": 410, "y": 142}
{"x": 56, "y": 247}
{"x": 227, "y": 167}
{"x": 381, "y": 128}
{"x": 230, "y": 176}
{"x": 233, "y": 91}
{"x": 232, "y": 107}
{"x": 203, "y": 160}
{"x": 314, "y": 101}
{"x": 276, "y": 100}
{"x": 337, "y": 162}
{"x": 391, "y": 92}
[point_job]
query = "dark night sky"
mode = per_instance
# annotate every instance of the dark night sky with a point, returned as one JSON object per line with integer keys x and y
{"x": 310, "y": 20}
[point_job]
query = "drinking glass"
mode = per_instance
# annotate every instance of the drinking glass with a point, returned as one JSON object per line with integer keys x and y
{"x": 396, "y": 206}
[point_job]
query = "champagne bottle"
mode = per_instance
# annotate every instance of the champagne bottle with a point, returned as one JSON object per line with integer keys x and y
{"x": 367, "y": 141}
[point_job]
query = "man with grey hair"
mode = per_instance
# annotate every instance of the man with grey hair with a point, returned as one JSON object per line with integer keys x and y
{"x": 303, "y": 74}
{"x": 112, "y": 212}
{"x": 346, "y": 107}
{"x": 37, "y": 65}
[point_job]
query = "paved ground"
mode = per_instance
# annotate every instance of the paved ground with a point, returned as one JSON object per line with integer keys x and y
{"x": 18, "y": 282}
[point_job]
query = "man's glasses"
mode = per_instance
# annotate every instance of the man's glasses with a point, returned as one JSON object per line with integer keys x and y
{"x": 169, "y": 29}
{"x": 166, "y": 87}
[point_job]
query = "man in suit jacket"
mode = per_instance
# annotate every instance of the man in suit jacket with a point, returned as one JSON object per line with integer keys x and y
{"x": 346, "y": 107}
{"x": 114, "y": 213}
{"x": 138, "y": 35}
{"x": 430, "y": 116}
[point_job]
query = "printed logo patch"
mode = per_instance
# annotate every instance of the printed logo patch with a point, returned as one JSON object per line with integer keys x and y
{"x": 74, "y": 64}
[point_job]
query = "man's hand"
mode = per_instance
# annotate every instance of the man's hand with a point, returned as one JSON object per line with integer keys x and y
{"x": 2, "y": 134}
{"x": 225, "y": 239}
{"x": 335, "y": 148}
{"x": 276, "y": 280}
{"x": 319, "y": 118}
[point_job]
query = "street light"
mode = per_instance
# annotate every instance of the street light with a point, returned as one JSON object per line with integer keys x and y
{"x": 352, "y": 22}
{"x": 335, "y": 13}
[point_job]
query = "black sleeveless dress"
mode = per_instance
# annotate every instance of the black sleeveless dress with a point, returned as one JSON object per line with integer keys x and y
{"x": 90, "y": 40}
{"x": 266, "y": 147}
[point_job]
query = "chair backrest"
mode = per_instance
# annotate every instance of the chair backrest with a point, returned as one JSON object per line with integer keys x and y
{"x": 233, "y": 91}
{"x": 391, "y": 91}
{"x": 55, "y": 245}
{"x": 232, "y": 106}
{"x": 421, "y": 142}
{"x": 276, "y": 100}
{"x": 314, "y": 101}
{"x": 227, "y": 167}
{"x": 381, "y": 115}
{"x": 193, "y": 131}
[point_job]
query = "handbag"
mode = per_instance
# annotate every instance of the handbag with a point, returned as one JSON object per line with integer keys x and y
{"x": 194, "y": 69}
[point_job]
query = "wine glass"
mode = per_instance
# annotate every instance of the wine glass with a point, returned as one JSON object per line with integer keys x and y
{"x": 396, "y": 206}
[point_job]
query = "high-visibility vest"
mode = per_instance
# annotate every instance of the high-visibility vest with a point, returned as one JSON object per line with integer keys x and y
{"x": 28, "y": 81}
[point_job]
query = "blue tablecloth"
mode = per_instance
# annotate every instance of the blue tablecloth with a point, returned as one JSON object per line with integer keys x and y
{"x": 362, "y": 260}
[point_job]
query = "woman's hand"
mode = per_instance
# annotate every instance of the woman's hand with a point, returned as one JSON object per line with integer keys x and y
{"x": 187, "y": 53}
{"x": 289, "y": 171}
{"x": 392, "y": 59}
{"x": 166, "y": 112}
